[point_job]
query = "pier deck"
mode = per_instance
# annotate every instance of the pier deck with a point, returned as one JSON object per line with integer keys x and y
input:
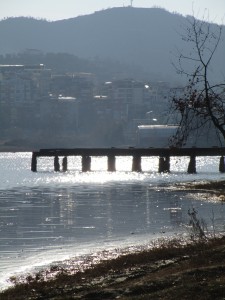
{"x": 132, "y": 152}
{"x": 164, "y": 155}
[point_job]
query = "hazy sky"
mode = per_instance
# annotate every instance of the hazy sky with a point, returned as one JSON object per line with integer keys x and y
{"x": 63, "y": 9}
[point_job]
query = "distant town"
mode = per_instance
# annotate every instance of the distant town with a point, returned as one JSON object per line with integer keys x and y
{"x": 99, "y": 80}
{"x": 40, "y": 108}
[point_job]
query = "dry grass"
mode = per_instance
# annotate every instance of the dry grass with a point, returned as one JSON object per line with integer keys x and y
{"x": 140, "y": 271}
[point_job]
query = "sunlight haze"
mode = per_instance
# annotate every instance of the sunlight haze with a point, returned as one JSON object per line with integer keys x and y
{"x": 58, "y": 9}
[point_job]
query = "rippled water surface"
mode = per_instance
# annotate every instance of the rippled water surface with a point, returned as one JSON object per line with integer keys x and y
{"x": 48, "y": 216}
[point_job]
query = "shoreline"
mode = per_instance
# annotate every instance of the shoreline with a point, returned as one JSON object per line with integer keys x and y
{"x": 171, "y": 271}
{"x": 214, "y": 188}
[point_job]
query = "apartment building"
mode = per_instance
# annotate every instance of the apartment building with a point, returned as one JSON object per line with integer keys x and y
{"x": 23, "y": 84}
{"x": 21, "y": 88}
{"x": 78, "y": 85}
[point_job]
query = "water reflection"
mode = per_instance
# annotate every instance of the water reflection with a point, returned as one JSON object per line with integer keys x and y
{"x": 49, "y": 212}
{"x": 37, "y": 225}
{"x": 42, "y": 217}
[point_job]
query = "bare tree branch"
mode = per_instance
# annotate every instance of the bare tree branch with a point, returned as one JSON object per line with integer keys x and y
{"x": 202, "y": 103}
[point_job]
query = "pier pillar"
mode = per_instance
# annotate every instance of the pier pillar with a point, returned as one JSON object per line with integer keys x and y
{"x": 56, "y": 164}
{"x": 136, "y": 164}
{"x": 221, "y": 165}
{"x": 161, "y": 164}
{"x": 192, "y": 165}
{"x": 34, "y": 163}
{"x": 164, "y": 164}
{"x": 64, "y": 164}
{"x": 86, "y": 163}
{"x": 167, "y": 164}
{"x": 111, "y": 163}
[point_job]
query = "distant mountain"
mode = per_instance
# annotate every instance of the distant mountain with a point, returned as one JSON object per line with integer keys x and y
{"x": 144, "y": 37}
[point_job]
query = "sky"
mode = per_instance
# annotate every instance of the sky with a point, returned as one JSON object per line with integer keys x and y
{"x": 52, "y": 10}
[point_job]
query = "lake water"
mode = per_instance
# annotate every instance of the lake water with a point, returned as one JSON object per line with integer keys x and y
{"x": 47, "y": 217}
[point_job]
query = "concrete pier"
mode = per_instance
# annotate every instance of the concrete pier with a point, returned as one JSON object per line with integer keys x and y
{"x": 64, "y": 164}
{"x": 56, "y": 164}
{"x": 34, "y": 163}
{"x": 167, "y": 164}
{"x": 136, "y": 163}
{"x": 111, "y": 163}
{"x": 164, "y": 155}
{"x": 222, "y": 165}
{"x": 164, "y": 164}
{"x": 86, "y": 163}
{"x": 192, "y": 165}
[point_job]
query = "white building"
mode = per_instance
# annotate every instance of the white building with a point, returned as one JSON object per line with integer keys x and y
{"x": 23, "y": 84}
{"x": 155, "y": 136}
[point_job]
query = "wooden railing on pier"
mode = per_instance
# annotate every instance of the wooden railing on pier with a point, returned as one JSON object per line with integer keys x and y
{"x": 164, "y": 155}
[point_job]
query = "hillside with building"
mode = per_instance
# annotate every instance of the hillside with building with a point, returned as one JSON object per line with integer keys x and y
{"x": 39, "y": 108}
{"x": 101, "y": 80}
{"x": 147, "y": 38}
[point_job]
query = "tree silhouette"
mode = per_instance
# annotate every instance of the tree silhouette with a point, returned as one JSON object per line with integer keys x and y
{"x": 202, "y": 101}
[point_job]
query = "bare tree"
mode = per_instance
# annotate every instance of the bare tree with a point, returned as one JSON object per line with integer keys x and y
{"x": 202, "y": 102}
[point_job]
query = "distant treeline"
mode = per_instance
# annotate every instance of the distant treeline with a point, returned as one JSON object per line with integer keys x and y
{"x": 69, "y": 63}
